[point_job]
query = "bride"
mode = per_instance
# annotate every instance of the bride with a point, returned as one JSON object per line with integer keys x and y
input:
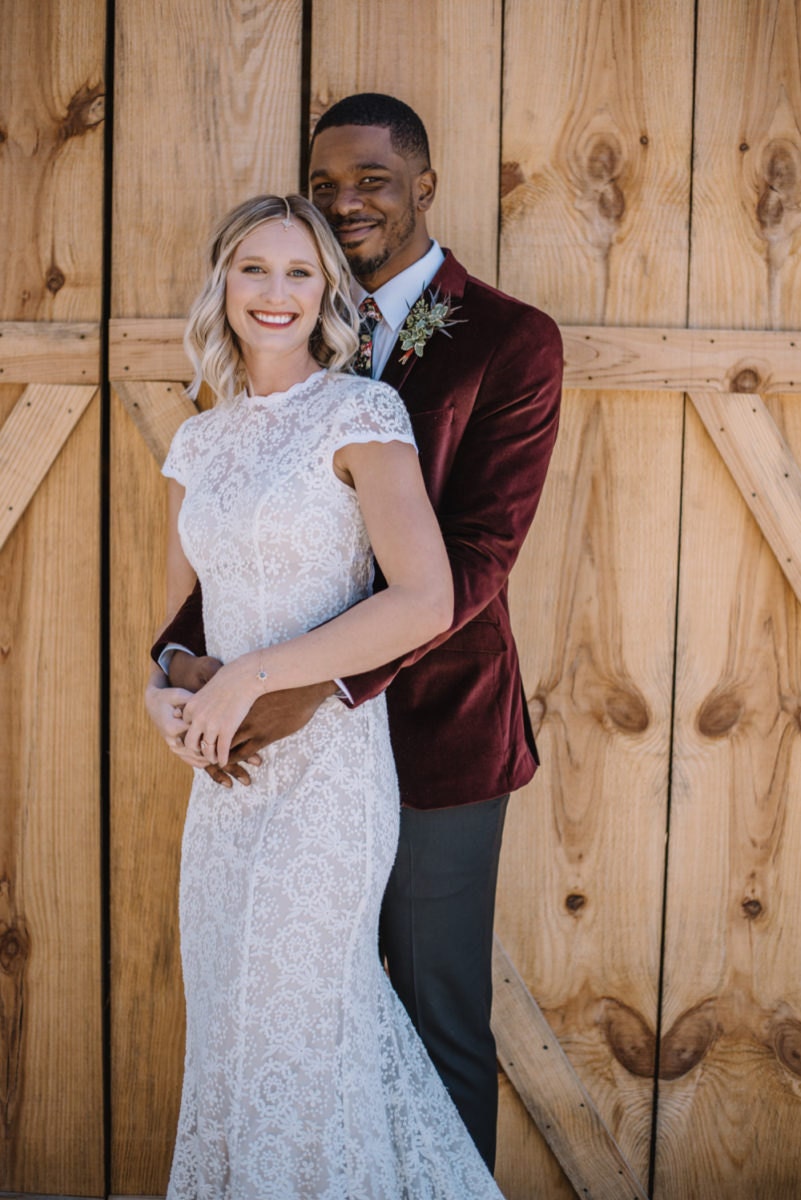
{"x": 303, "y": 1076}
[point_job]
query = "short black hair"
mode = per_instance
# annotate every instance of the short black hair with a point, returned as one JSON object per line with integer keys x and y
{"x": 406, "y": 131}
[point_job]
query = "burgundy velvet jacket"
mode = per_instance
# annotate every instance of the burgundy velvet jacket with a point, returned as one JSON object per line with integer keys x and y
{"x": 484, "y": 405}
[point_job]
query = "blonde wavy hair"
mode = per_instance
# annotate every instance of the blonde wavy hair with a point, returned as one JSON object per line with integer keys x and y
{"x": 210, "y": 342}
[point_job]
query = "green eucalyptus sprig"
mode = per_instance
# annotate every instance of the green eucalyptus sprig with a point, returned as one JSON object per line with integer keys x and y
{"x": 425, "y": 317}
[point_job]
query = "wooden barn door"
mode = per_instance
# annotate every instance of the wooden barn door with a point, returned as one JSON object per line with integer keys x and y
{"x": 649, "y": 196}
{"x": 648, "y": 881}
{"x": 51, "y": 181}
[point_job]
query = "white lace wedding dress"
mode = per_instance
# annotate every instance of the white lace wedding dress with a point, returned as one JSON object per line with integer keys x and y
{"x": 304, "y": 1077}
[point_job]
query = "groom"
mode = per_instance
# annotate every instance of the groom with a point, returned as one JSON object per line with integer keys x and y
{"x": 483, "y": 393}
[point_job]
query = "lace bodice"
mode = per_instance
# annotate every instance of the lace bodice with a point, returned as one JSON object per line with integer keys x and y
{"x": 276, "y": 539}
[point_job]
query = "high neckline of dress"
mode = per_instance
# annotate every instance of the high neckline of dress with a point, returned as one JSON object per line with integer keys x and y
{"x": 276, "y": 397}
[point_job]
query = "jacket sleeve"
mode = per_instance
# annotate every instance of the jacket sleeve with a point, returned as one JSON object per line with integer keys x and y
{"x": 186, "y": 627}
{"x": 496, "y": 478}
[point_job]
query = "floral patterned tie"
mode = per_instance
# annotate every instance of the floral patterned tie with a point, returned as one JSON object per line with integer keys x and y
{"x": 370, "y": 315}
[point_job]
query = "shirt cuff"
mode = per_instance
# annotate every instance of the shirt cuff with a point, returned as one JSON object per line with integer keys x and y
{"x": 167, "y": 653}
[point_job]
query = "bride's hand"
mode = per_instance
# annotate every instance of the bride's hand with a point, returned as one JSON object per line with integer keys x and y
{"x": 214, "y": 714}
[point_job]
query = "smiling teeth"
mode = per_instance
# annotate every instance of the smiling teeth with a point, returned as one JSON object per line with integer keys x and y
{"x": 270, "y": 319}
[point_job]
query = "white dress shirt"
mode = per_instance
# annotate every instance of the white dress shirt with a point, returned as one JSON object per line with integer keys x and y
{"x": 394, "y": 299}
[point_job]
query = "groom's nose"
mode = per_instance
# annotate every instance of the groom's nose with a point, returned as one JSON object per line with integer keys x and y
{"x": 348, "y": 200}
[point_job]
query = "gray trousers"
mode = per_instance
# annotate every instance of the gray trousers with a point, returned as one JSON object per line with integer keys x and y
{"x": 436, "y": 938}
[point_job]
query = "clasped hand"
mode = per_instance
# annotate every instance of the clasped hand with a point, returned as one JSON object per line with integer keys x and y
{"x": 214, "y": 714}
{"x": 273, "y": 716}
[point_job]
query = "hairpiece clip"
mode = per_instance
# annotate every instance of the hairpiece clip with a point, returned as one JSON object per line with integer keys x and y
{"x": 287, "y": 221}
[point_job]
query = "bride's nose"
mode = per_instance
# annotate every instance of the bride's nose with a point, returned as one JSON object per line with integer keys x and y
{"x": 274, "y": 287}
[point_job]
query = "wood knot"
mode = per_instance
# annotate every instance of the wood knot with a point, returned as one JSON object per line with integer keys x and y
{"x": 602, "y": 164}
{"x": 511, "y": 177}
{"x": 317, "y": 106}
{"x": 603, "y": 160}
{"x": 752, "y": 908}
{"x": 537, "y": 708}
{"x": 686, "y": 1043}
{"x": 746, "y": 380}
{"x": 14, "y": 949}
{"x": 780, "y": 193}
{"x": 770, "y": 210}
{"x": 787, "y": 1044}
{"x": 627, "y": 710}
{"x": 781, "y": 167}
{"x": 611, "y": 203}
{"x": 3, "y": 136}
{"x": 54, "y": 280}
{"x": 629, "y": 1037}
{"x": 86, "y": 109}
{"x": 719, "y": 713}
{"x": 575, "y": 902}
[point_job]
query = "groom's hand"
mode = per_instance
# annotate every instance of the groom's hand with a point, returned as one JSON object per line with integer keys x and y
{"x": 274, "y": 716}
{"x": 190, "y": 672}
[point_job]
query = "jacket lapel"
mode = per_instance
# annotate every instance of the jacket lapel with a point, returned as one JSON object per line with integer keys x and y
{"x": 450, "y": 282}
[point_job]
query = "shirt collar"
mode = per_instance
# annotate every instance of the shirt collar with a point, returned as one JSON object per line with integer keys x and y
{"x": 397, "y": 295}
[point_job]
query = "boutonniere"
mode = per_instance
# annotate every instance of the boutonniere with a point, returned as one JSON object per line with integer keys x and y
{"x": 425, "y": 317}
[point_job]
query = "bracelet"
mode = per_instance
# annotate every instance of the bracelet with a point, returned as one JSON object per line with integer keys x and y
{"x": 261, "y": 674}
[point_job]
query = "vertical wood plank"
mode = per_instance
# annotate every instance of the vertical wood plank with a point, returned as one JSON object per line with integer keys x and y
{"x": 596, "y": 147}
{"x": 219, "y": 120}
{"x": 424, "y": 54}
{"x": 746, "y": 249}
{"x": 51, "y": 1095}
{"x": 514, "y": 1173}
{"x": 581, "y": 874}
{"x": 596, "y": 183}
{"x": 52, "y": 100}
{"x": 149, "y": 790}
{"x": 51, "y": 164}
{"x": 730, "y": 1087}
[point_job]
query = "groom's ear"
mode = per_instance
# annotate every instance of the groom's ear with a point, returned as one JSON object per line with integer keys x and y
{"x": 426, "y": 184}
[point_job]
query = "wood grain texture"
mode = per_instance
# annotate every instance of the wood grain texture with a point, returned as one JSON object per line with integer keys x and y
{"x": 563, "y": 1110}
{"x": 218, "y": 121}
{"x": 31, "y": 438}
{"x": 664, "y": 358}
{"x": 157, "y": 409}
{"x": 149, "y": 791}
{"x": 433, "y": 57}
{"x": 764, "y": 469}
{"x": 593, "y": 605}
{"x": 596, "y": 158}
{"x": 746, "y": 246}
{"x": 149, "y": 348}
{"x": 51, "y": 164}
{"x": 520, "y": 1144}
{"x": 49, "y": 352}
{"x": 51, "y": 1054}
{"x": 730, "y": 1089}
{"x": 52, "y": 97}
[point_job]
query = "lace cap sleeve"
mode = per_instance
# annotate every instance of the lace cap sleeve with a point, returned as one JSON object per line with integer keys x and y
{"x": 175, "y": 465}
{"x": 372, "y": 412}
